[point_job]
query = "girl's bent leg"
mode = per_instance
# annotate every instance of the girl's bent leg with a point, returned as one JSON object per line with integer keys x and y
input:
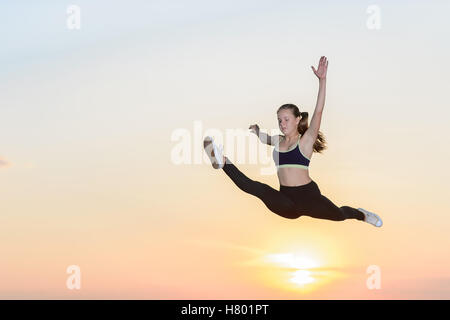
{"x": 274, "y": 200}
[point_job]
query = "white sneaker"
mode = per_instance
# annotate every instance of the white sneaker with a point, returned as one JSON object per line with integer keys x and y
{"x": 371, "y": 218}
{"x": 214, "y": 152}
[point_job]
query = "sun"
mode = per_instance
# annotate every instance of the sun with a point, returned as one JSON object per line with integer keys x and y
{"x": 298, "y": 262}
{"x": 302, "y": 277}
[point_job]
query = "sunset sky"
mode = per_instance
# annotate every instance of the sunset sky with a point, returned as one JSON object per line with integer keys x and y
{"x": 92, "y": 119}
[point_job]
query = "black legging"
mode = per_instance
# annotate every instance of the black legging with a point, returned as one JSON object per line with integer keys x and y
{"x": 292, "y": 202}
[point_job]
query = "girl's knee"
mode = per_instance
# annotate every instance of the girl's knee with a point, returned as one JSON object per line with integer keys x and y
{"x": 288, "y": 214}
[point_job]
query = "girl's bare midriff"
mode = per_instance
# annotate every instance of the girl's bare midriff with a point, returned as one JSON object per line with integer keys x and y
{"x": 294, "y": 177}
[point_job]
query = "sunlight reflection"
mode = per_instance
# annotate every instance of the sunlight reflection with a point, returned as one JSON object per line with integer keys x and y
{"x": 289, "y": 260}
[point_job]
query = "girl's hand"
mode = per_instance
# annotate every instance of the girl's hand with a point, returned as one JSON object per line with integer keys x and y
{"x": 254, "y": 128}
{"x": 321, "y": 71}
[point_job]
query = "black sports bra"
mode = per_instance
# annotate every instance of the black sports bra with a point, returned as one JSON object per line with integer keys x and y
{"x": 291, "y": 158}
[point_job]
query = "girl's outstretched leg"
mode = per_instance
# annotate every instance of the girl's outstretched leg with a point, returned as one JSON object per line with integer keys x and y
{"x": 274, "y": 200}
{"x": 321, "y": 207}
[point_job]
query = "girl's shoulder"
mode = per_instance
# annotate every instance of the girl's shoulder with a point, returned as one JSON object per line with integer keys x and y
{"x": 277, "y": 139}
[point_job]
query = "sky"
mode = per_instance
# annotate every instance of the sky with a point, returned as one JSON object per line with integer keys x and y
{"x": 102, "y": 165}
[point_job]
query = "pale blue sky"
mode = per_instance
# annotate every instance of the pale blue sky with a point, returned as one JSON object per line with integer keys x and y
{"x": 238, "y": 49}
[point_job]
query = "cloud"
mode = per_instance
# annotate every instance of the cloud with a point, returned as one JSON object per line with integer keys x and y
{"x": 227, "y": 245}
{"x": 4, "y": 163}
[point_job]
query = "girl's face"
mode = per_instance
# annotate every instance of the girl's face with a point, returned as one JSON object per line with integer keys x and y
{"x": 287, "y": 122}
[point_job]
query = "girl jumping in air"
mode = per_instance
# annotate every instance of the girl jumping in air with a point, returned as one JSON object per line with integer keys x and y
{"x": 299, "y": 195}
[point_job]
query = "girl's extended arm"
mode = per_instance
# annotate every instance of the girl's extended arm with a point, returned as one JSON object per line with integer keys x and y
{"x": 321, "y": 74}
{"x": 314, "y": 126}
{"x": 264, "y": 137}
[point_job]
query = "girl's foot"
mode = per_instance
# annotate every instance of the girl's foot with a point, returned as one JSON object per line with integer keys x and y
{"x": 214, "y": 152}
{"x": 371, "y": 218}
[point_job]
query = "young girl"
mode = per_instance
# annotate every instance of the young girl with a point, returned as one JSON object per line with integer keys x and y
{"x": 299, "y": 195}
